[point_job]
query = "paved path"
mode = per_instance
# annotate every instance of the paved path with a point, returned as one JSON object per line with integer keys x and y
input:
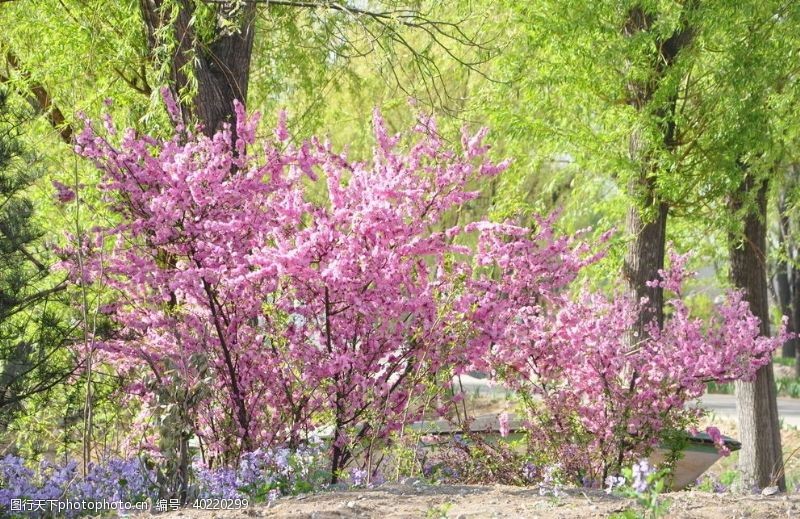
{"x": 725, "y": 406}
{"x": 720, "y": 405}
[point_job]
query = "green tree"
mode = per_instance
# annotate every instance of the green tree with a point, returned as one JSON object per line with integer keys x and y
{"x": 33, "y": 357}
{"x": 670, "y": 107}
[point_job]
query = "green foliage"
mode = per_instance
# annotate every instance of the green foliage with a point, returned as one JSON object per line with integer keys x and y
{"x": 563, "y": 106}
{"x": 788, "y": 387}
{"x": 32, "y": 330}
{"x": 651, "y": 503}
{"x": 80, "y": 53}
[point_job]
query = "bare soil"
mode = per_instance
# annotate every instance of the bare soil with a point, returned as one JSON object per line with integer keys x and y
{"x": 434, "y": 502}
{"x": 418, "y": 500}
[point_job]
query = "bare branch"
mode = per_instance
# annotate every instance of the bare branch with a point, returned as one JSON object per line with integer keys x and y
{"x": 43, "y": 101}
{"x": 33, "y": 298}
{"x": 383, "y": 30}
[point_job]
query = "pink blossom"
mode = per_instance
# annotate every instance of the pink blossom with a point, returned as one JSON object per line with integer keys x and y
{"x": 503, "y": 420}
{"x": 719, "y": 441}
{"x": 275, "y": 310}
{"x": 281, "y": 133}
{"x": 603, "y": 400}
{"x": 280, "y": 313}
{"x": 63, "y": 193}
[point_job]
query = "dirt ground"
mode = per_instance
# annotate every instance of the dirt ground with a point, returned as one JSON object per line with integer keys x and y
{"x": 472, "y": 502}
{"x": 419, "y": 500}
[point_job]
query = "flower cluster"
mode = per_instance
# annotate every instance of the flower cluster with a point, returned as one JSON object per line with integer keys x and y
{"x": 115, "y": 480}
{"x": 260, "y": 475}
{"x": 599, "y": 398}
{"x": 640, "y": 472}
{"x": 613, "y": 483}
{"x": 719, "y": 441}
{"x": 264, "y": 474}
{"x": 712, "y": 483}
{"x": 288, "y": 288}
{"x": 238, "y": 283}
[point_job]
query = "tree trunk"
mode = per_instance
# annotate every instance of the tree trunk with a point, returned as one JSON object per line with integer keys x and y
{"x": 785, "y": 273}
{"x": 646, "y": 222}
{"x": 175, "y": 431}
{"x": 789, "y": 248}
{"x": 760, "y": 461}
{"x": 221, "y": 67}
{"x": 223, "y": 74}
{"x": 644, "y": 258}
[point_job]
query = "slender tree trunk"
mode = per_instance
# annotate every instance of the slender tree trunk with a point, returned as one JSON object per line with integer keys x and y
{"x": 175, "y": 431}
{"x": 785, "y": 273}
{"x": 789, "y": 234}
{"x": 761, "y": 456}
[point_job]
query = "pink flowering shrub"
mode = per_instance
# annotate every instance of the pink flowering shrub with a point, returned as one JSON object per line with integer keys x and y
{"x": 596, "y": 401}
{"x": 279, "y": 310}
{"x": 273, "y": 290}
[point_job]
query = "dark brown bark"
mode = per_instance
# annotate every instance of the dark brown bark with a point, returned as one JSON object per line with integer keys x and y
{"x": 221, "y": 67}
{"x": 787, "y": 275}
{"x": 760, "y": 460}
{"x": 646, "y": 221}
{"x": 644, "y": 258}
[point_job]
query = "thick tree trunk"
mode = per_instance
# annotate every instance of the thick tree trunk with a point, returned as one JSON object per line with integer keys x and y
{"x": 760, "y": 461}
{"x": 646, "y": 221}
{"x": 644, "y": 258}
{"x": 223, "y": 74}
{"x": 221, "y": 67}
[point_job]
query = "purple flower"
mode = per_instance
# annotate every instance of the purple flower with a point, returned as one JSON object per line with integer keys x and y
{"x": 218, "y": 483}
{"x": 63, "y": 193}
{"x": 530, "y": 472}
{"x": 16, "y": 481}
{"x": 117, "y": 480}
{"x": 114, "y": 480}
{"x": 550, "y": 484}
{"x": 613, "y": 482}
{"x": 641, "y": 471}
{"x": 358, "y": 477}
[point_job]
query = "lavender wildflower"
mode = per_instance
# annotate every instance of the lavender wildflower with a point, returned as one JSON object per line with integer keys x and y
{"x": 530, "y": 472}
{"x": 641, "y": 471}
{"x": 613, "y": 482}
{"x": 218, "y": 483}
{"x": 550, "y": 484}
{"x": 358, "y": 477}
